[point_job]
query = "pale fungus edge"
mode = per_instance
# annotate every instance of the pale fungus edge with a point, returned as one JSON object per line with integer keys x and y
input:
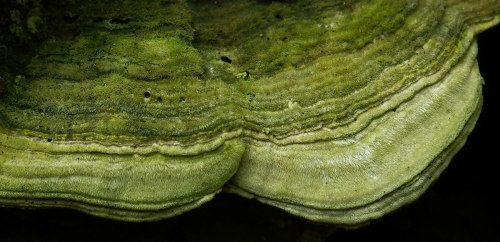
{"x": 126, "y": 187}
{"x": 409, "y": 191}
{"x": 338, "y": 201}
{"x": 139, "y": 213}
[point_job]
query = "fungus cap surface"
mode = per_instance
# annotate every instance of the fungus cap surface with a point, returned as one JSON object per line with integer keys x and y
{"x": 337, "y": 112}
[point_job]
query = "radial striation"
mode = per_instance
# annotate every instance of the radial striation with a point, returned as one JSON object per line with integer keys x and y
{"x": 337, "y": 111}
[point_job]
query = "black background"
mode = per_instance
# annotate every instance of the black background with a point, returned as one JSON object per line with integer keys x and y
{"x": 460, "y": 206}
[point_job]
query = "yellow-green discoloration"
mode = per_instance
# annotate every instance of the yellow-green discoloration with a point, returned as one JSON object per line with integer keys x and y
{"x": 335, "y": 112}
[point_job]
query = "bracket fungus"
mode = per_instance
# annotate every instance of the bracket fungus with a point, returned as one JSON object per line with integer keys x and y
{"x": 336, "y": 111}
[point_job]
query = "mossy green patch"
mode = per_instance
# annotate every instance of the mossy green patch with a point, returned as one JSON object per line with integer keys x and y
{"x": 332, "y": 110}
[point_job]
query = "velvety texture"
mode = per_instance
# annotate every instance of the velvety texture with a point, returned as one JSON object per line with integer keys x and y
{"x": 337, "y": 111}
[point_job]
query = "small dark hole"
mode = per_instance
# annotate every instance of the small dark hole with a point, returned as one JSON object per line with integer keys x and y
{"x": 98, "y": 19}
{"x": 3, "y": 86}
{"x": 49, "y": 140}
{"x": 147, "y": 94}
{"x": 247, "y": 74}
{"x": 182, "y": 99}
{"x": 394, "y": 109}
{"x": 278, "y": 16}
{"x": 119, "y": 21}
{"x": 71, "y": 19}
{"x": 226, "y": 59}
{"x": 284, "y": 38}
{"x": 159, "y": 99}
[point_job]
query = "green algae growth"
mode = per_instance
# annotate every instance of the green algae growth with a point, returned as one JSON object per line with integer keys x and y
{"x": 337, "y": 111}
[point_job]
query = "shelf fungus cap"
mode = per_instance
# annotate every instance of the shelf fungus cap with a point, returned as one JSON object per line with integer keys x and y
{"x": 336, "y": 111}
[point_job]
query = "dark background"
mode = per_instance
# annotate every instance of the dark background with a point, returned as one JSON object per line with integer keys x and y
{"x": 460, "y": 206}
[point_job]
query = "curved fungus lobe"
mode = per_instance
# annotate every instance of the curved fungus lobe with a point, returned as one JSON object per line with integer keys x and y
{"x": 343, "y": 114}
